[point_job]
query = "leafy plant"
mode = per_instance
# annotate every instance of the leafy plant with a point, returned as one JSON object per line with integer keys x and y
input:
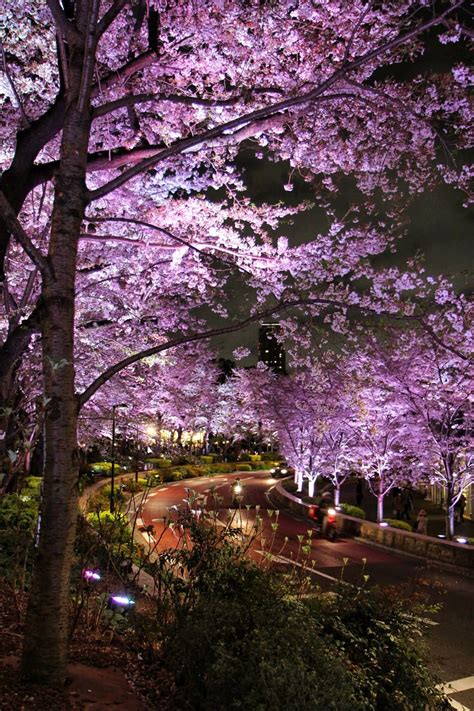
{"x": 351, "y": 510}
{"x": 395, "y": 523}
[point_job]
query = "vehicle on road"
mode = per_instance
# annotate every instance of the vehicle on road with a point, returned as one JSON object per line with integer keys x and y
{"x": 281, "y": 471}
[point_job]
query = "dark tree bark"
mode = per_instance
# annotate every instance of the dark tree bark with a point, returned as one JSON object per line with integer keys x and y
{"x": 46, "y": 631}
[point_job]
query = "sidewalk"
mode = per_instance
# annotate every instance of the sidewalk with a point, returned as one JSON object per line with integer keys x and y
{"x": 436, "y": 515}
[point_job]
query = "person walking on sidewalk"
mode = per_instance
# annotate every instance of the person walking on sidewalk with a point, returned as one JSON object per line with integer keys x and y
{"x": 407, "y": 504}
{"x": 421, "y": 523}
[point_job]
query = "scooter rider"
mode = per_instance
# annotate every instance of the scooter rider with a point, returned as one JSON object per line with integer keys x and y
{"x": 326, "y": 502}
{"x": 236, "y": 491}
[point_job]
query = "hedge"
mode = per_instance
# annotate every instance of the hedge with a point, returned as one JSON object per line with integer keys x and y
{"x": 243, "y": 468}
{"x": 159, "y": 462}
{"x": 395, "y": 523}
{"x": 354, "y": 511}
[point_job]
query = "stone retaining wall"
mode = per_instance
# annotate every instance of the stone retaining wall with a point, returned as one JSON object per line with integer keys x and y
{"x": 449, "y": 552}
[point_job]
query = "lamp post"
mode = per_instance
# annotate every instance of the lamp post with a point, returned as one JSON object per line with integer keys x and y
{"x": 112, "y": 473}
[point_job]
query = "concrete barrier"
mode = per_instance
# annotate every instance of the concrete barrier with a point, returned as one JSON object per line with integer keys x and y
{"x": 444, "y": 552}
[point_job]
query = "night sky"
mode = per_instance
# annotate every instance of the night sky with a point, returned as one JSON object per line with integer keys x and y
{"x": 440, "y": 227}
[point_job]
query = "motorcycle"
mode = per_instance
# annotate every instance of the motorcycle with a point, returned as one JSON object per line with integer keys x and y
{"x": 237, "y": 495}
{"x": 326, "y": 525}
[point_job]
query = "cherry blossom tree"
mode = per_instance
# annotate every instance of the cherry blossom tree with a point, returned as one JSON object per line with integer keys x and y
{"x": 436, "y": 386}
{"x": 118, "y": 118}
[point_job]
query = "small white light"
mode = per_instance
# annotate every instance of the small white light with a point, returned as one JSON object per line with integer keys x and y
{"x": 332, "y": 512}
{"x": 441, "y": 535}
{"x": 461, "y": 539}
{"x": 383, "y": 524}
{"x": 121, "y": 600}
{"x": 284, "y": 471}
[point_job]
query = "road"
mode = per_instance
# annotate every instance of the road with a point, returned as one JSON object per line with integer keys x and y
{"x": 450, "y": 632}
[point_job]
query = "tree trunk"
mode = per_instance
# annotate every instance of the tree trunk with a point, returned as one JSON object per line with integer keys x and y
{"x": 337, "y": 494}
{"x": 299, "y": 480}
{"x": 311, "y": 483}
{"x": 379, "y": 508}
{"x": 46, "y": 628}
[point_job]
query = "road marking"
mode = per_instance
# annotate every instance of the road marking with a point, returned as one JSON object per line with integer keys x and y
{"x": 458, "y": 706}
{"x": 454, "y": 687}
{"x": 162, "y": 518}
{"x": 282, "y": 559}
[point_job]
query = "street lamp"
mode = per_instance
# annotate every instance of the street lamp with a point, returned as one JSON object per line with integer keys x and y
{"x": 112, "y": 473}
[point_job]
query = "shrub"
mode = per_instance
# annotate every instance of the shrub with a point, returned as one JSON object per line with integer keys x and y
{"x": 133, "y": 487}
{"x": 158, "y": 462}
{"x": 101, "y": 467}
{"x": 350, "y": 510}
{"x": 255, "y": 457}
{"x": 269, "y": 456}
{"x": 106, "y": 520}
{"x": 395, "y": 523}
{"x": 171, "y": 475}
{"x": 290, "y": 486}
{"x": 239, "y": 631}
{"x": 243, "y": 468}
{"x": 206, "y": 458}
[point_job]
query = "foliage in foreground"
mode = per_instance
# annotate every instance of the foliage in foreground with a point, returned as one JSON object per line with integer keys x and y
{"x": 237, "y": 635}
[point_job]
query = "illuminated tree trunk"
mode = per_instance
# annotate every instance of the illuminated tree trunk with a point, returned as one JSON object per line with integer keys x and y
{"x": 46, "y": 630}
{"x": 379, "y": 507}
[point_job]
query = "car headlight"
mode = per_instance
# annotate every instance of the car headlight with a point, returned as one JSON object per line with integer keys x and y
{"x": 284, "y": 471}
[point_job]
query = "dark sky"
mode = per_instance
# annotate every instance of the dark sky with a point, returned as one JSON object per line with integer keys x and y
{"x": 440, "y": 227}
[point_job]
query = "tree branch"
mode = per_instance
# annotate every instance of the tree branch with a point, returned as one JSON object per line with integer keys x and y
{"x": 114, "y": 10}
{"x": 268, "y": 111}
{"x": 64, "y": 27}
{"x": 133, "y": 99}
{"x": 13, "y": 225}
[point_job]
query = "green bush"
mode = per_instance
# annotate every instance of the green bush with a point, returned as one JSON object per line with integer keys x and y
{"x": 256, "y": 648}
{"x": 269, "y": 456}
{"x": 106, "y": 520}
{"x": 350, "y": 510}
{"x": 171, "y": 475}
{"x": 290, "y": 486}
{"x": 243, "y": 468}
{"x": 101, "y": 467}
{"x": 259, "y": 647}
{"x": 395, "y": 523}
{"x": 32, "y": 485}
{"x": 159, "y": 462}
{"x": 384, "y": 647}
{"x": 133, "y": 487}
{"x": 255, "y": 457}
{"x": 206, "y": 458}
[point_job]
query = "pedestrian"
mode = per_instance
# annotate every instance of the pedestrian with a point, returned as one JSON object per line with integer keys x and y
{"x": 359, "y": 491}
{"x": 407, "y": 504}
{"x": 397, "y": 505}
{"x": 421, "y": 522}
{"x": 462, "y": 506}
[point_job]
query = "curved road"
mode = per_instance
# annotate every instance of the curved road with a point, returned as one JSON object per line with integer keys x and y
{"x": 450, "y": 632}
